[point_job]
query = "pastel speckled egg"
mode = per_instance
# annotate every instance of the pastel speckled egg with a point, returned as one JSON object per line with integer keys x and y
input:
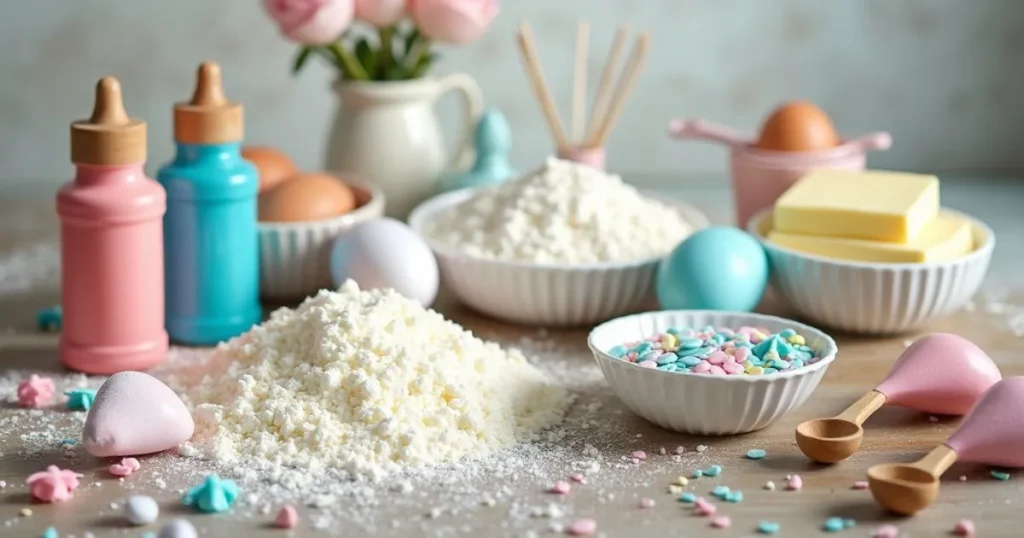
{"x": 717, "y": 268}
{"x": 385, "y": 253}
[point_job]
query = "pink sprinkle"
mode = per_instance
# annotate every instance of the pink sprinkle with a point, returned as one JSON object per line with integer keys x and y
{"x": 718, "y": 357}
{"x": 126, "y": 467}
{"x": 702, "y": 367}
{"x": 646, "y": 503}
{"x": 732, "y": 368}
{"x": 716, "y": 370}
{"x": 582, "y": 526}
{"x": 35, "y": 391}
{"x": 964, "y": 527}
{"x": 721, "y": 522}
{"x": 704, "y": 508}
{"x": 53, "y": 484}
{"x": 631, "y": 356}
{"x": 561, "y": 488}
{"x": 741, "y": 354}
{"x": 639, "y": 455}
{"x": 579, "y": 478}
{"x": 794, "y": 482}
{"x": 860, "y": 484}
{"x": 886, "y": 531}
{"x": 287, "y": 518}
{"x": 647, "y": 364}
{"x": 635, "y": 461}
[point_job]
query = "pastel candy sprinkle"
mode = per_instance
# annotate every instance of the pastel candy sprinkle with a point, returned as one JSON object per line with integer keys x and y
{"x": 647, "y": 502}
{"x": 287, "y": 518}
{"x": 756, "y": 454}
{"x": 125, "y": 467}
{"x": 794, "y": 482}
{"x": 141, "y": 510}
{"x": 999, "y": 475}
{"x": 886, "y": 531}
{"x": 50, "y": 319}
{"x": 833, "y": 524}
{"x": 213, "y": 495}
{"x": 578, "y": 478}
{"x": 964, "y": 527}
{"x": 688, "y": 498}
{"x": 721, "y": 522}
{"x": 720, "y": 491}
{"x": 713, "y": 470}
{"x": 733, "y": 497}
{"x": 767, "y": 527}
{"x": 639, "y": 454}
{"x": 50, "y": 532}
{"x": 704, "y": 508}
{"x": 80, "y": 399}
{"x": 560, "y": 488}
{"x": 647, "y": 364}
{"x": 35, "y": 391}
{"x": 698, "y": 473}
{"x": 53, "y": 485}
{"x": 581, "y": 527}
{"x": 861, "y": 484}
{"x": 178, "y": 528}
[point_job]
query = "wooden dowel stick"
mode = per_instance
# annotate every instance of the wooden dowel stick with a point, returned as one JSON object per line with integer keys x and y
{"x": 600, "y": 106}
{"x": 539, "y": 84}
{"x": 579, "y": 83}
{"x": 637, "y": 58}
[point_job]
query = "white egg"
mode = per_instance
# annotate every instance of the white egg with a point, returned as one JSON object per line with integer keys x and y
{"x": 386, "y": 253}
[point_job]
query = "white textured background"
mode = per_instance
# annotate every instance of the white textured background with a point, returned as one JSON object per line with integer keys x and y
{"x": 946, "y": 77}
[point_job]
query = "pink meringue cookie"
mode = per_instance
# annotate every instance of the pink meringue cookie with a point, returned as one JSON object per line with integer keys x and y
{"x": 134, "y": 413}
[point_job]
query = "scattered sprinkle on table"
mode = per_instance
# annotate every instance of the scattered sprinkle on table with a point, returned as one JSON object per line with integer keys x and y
{"x": 26, "y": 512}
{"x": 80, "y": 399}
{"x": 687, "y": 497}
{"x": 767, "y": 527}
{"x": 720, "y": 491}
{"x": 680, "y": 449}
{"x": 674, "y": 489}
{"x": 287, "y": 518}
{"x": 125, "y": 467}
{"x": 704, "y": 508}
{"x": 50, "y": 532}
{"x": 701, "y": 448}
{"x": 698, "y": 473}
{"x": 886, "y": 531}
{"x": 769, "y": 485}
{"x": 744, "y": 351}
{"x": 721, "y": 522}
{"x": 836, "y": 524}
{"x": 213, "y": 495}
{"x": 647, "y": 502}
{"x": 1000, "y": 475}
{"x": 639, "y": 455}
{"x": 860, "y": 484}
{"x": 713, "y": 470}
{"x": 35, "y": 391}
{"x": 794, "y": 482}
{"x": 141, "y": 510}
{"x": 756, "y": 454}
{"x": 178, "y": 528}
{"x": 681, "y": 481}
{"x": 560, "y": 488}
{"x": 582, "y": 527}
{"x": 733, "y": 497}
{"x": 964, "y": 527}
{"x": 578, "y": 478}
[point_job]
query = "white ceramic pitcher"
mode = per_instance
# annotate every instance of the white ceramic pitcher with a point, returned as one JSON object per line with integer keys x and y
{"x": 387, "y": 133}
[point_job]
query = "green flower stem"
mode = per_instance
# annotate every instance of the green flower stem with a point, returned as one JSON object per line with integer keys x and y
{"x": 420, "y": 48}
{"x": 347, "y": 62}
{"x": 386, "y": 58}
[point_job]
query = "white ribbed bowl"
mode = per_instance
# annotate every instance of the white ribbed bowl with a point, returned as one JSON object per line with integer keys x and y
{"x": 875, "y": 298}
{"x": 543, "y": 294}
{"x": 702, "y": 404}
{"x": 295, "y": 256}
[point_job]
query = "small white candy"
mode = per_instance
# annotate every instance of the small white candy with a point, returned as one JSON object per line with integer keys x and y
{"x": 179, "y": 528}
{"x": 141, "y": 510}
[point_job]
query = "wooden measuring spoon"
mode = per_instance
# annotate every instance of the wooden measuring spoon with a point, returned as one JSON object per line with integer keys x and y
{"x": 831, "y": 440}
{"x": 908, "y": 488}
{"x": 702, "y": 130}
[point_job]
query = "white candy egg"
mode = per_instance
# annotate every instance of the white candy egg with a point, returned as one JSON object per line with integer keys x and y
{"x": 386, "y": 253}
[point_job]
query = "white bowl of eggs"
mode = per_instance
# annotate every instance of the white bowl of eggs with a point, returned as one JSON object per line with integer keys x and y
{"x": 300, "y": 215}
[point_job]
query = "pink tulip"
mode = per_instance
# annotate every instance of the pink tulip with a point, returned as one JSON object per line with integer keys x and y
{"x": 380, "y": 13}
{"x": 453, "y": 21}
{"x": 311, "y": 22}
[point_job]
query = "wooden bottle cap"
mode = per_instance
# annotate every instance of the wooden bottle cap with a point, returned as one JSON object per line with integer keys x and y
{"x": 209, "y": 118}
{"x": 109, "y": 137}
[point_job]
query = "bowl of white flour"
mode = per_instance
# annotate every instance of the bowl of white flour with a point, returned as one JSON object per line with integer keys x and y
{"x": 563, "y": 245}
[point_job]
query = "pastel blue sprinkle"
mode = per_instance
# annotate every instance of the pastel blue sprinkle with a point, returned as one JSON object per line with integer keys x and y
{"x": 80, "y": 399}
{"x": 687, "y": 497}
{"x": 68, "y": 442}
{"x": 643, "y": 347}
{"x": 756, "y": 454}
{"x": 690, "y": 343}
{"x": 999, "y": 475}
{"x": 688, "y": 352}
{"x": 714, "y": 470}
{"x": 720, "y": 491}
{"x": 780, "y": 364}
{"x": 833, "y": 524}
{"x": 771, "y": 371}
{"x": 767, "y": 527}
{"x": 786, "y": 333}
{"x": 213, "y": 495}
{"x": 618, "y": 352}
{"x": 698, "y": 473}
{"x": 668, "y": 368}
{"x": 690, "y": 361}
{"x": 797, "y": 363}
{"x": 706, "y": 351}
{"x": 674, "y": 331}
{"x": 50, "y": 532}
{"x": 666, "y": 358}
{"x": 849, "y": 523}
{"x": 733, "y": 497}
{"x": 148, "y": 534}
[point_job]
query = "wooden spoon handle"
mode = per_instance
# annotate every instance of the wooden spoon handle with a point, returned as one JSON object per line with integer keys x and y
{"x": 937, "y": 461}
{"x": 863, "y": 408}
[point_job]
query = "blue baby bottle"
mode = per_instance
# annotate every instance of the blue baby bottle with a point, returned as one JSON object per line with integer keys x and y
{"x": 211, "y": 241}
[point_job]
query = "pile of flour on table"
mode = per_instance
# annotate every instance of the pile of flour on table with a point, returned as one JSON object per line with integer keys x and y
{"x": 563, "y": 212}
{"x": 367, "y": 383}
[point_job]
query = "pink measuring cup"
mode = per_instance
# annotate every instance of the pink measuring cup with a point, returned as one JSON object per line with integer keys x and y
{"x": 940, "y": 373}
{"x": 759, "y": 176}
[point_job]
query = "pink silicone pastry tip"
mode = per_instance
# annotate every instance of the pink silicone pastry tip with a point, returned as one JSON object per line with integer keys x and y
{"x": 940, "y": 373}
{"x": 992, "y": 432}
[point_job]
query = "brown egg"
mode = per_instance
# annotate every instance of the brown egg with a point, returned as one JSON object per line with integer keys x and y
{"x": 306, "y": 197}
{"x": 273, "y": 165}
{"x": 798, "y": 126}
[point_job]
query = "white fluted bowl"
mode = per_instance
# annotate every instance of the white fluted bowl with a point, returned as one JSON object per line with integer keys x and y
{"x": 875, "y": 298}
{"x": 543, "y": 294}
{"x": 703, "y": 404}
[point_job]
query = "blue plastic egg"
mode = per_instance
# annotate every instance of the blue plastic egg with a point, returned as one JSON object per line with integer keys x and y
{"x": 717, "y": 268}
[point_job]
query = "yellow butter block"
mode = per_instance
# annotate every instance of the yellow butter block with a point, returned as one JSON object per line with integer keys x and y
{"x": 945, "y": 238}
{"x": 873, "y": 205}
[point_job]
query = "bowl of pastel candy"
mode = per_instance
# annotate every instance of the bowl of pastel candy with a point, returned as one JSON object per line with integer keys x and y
{"x": 707, "y": 372}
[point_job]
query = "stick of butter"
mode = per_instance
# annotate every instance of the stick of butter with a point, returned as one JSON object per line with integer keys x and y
{"x": 945, "y": 238}
{"x": 872, "y": 205}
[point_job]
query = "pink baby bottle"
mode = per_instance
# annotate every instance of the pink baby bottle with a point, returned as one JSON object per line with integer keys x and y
{"x": 111, "y": 231}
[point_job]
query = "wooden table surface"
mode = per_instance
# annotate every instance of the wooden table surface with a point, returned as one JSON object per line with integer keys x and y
{"x": 598, "y": 419}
